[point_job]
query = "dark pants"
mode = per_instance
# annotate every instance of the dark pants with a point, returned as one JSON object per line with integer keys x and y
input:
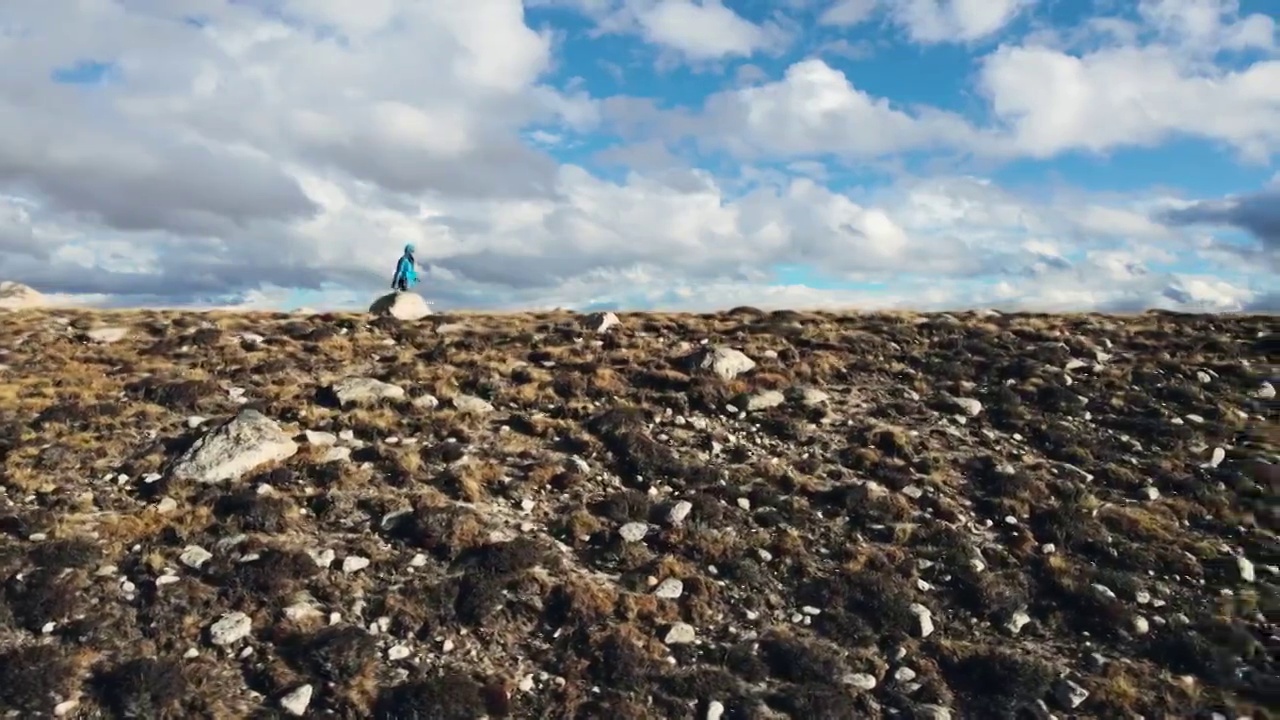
{"x": 402, "y": 284}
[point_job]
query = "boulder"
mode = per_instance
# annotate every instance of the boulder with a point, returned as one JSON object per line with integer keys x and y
{"x": 599, "y": 322}
{"x": 235, "y": 448}
{"x": 724, "y": 362}
{"x": 401, "y": 306}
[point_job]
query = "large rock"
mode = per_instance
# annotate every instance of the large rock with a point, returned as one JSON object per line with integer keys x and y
{"x": 234, "y": 449}
{"x": 725, "y": 362}
{"x": 599, "y": 322}
{"x": 401, "y": 306}
{"x": 16, "y": 296}
{"x": 364, "y": 391}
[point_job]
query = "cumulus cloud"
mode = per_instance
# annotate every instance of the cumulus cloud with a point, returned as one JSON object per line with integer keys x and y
{"x": 280, "y": 153}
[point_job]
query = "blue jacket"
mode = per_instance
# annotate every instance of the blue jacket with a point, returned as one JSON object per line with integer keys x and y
{"x": 407, "y": 269}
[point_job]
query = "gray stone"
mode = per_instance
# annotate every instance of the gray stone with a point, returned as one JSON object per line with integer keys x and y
{"x": 633, "y": 531}
{"x": 364, "y": 391}
{"x": 679, "y": 512}
{"x": 808, "y": 396}
{"x": 230, "y": 629}
{"x": 968, "y": 406}
{"x": 107, "y": 335}
{"x": 471, "y": 404}
{"x": 860, "y": 681}
{"x": 762, "y": 400}
{"x": 599, "y": 322}
{"x": 924, "y": 618}
{"x": 670, "y": 589}
{"x": 724, "y": 362}
{"x": 680, "y": 634}
{"x": 401, "y": 306}
{"x": 235, "y": 448}
{"x": 296, "y": 702}
{"x": 194, "y": 556}
{"x": 1069, "y": 694}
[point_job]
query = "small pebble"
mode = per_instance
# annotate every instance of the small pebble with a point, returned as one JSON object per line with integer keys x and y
{"x": 354, "y": 563}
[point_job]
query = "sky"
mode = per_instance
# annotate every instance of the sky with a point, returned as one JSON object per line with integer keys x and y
{"x": 1037, "y": 155}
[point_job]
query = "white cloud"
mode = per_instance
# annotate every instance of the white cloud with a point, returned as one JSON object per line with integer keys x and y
{"x": 935, "y": 21}
{"x": 265, "y": 153}
{"x": 702, "y": 30}
{"x": 1128, "y": 96}
{"x": 848, "y": 12}
{"x": 814, "y": 109}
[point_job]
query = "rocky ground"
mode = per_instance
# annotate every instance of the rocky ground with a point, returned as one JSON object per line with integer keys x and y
{"x": 743, "y": 515}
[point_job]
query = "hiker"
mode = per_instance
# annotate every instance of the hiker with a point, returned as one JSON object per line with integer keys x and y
{"x": 406, "y": 273}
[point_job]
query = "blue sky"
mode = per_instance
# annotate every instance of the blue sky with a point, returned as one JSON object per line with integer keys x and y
{"x": 1039, "y": 154}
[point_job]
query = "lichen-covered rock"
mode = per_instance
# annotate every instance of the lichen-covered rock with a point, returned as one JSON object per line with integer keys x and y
{"x": 235, "y": 448}
{"x": 401, "y": 306}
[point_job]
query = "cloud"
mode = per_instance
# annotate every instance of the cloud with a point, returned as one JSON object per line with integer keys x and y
{"x": 814, "y": 109}
{"x": 281, "y": 152}
{"x": 1257, "y": 214}
{"x": 935, "y": 21}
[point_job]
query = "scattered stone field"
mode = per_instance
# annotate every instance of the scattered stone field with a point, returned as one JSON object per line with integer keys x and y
{"x": 742, "y": 515}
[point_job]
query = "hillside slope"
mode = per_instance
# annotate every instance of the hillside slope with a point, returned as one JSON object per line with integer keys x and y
{"x": 860, "y": 516}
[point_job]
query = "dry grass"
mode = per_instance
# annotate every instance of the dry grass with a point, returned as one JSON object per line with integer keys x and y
{"x": 496, "y": 564}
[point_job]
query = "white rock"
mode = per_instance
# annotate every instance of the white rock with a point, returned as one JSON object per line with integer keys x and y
{"x": 861, "y": 681}
{"x": 166, "y": 505}
{"x": 302, "y": 611}
{"x": 1140, "y": 625}
{"x": 320, "y": 439}
{"x": 680, "y": 634}
{"x": 1150, "y": 492}
{"x": 1069, "y": 694}
{"x": 65, "y": 707}
{"x": 323, "y": 558}
{"x": 924, "y": 618}
{"x": 1017, "y": 621}
{"x": 194, "y": 556}
{"x": 1265, "y": 391}
{"x": 235, "y": 448}
{"x": 107, "y": 335}
{"x": 471, "y": 404}
{"x": 715, "y": 710}
{"x": 232, "y": 628}
{"x": 679, "y": 512}
{"x": 1245, "y": 566}
{"x": 426, "y": 402}
{"x": 196, "y": 421}
{"x": 354, "y": 391}
{"x": 671, "y": 588}
{"x": 1218, "y": 456}
{"x": 969, "y": 406}
{"x": 599, "y": 322}
{"x": 633, "y": 531}
{"x": 354, "y": 563}
{"x": 727, "y": 363}
{"x": 808, "y": 396}
{"x": 296, "y": 702}
{"x": 401, "y": 306}
{"x": 763, "y": 400}
{"x": 336, "y": 454}
{"x": 398, "y": 652}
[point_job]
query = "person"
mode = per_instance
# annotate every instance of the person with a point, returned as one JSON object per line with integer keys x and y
{"x": 406, "y": 275}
